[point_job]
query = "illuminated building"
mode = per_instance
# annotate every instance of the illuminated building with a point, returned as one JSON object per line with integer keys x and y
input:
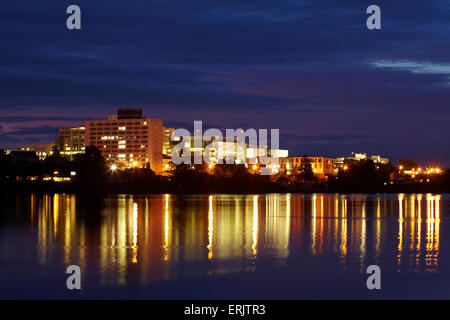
{"x": 321, "y": 166}
{"x": 340, "y": 163}
{"x": 218, "y": 150}
{"x": 42, "y": 150}
{"x": 277, "y": 154}
{"x": 167, "y": 146}
{"x": 167, "y": 142}
{"x": 215, "y": 148}
{"x": 128, "y": 139}
{"x": 379, "y": 159}
{"x": 71, "y": 141}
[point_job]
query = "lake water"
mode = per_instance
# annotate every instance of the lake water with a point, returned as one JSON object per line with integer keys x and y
{"x": 272, "y": 246}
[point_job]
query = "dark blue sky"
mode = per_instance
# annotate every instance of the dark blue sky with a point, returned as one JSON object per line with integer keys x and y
{"x": 309, "y": 68}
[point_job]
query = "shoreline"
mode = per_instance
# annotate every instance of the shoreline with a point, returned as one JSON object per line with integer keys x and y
{"x": 113, "y": 189}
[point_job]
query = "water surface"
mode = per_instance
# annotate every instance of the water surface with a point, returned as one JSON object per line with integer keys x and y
{"x": 225, "y": 246}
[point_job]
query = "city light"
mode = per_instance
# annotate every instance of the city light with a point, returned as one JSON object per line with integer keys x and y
{"x": 416, "y": 171}
{"x": 113, "y": 168}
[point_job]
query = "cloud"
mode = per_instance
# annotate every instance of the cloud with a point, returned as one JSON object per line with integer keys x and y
{"x": 190, "y": 125}
{"x": 13, "y": 119}
{"x": 247, "y": 62}
{"x": 41, "y": 130}
{"x": 24, "y": 135}
{"x": 168, "y": 50}
{"x": 414, "y": 66}
{"x": 329, "y": 138}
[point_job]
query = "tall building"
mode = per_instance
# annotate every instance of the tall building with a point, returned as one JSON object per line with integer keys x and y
{"x": 71, "y": 141}
{"x": 167, "y": 142}
{"x": 128, "y": 139}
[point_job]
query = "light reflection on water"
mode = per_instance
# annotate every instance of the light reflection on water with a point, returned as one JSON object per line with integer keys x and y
{"x": 167, "y": 237}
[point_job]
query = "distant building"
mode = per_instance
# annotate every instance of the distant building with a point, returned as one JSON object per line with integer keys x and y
{"x": 379, "y": 159}
{"x": 71, "y": 141}
{"x": 321, "y": 166}
{"x": 42, "y": 150}
{"x": 218, "y": 149}
{"x": 343, "y": 162}
{"x": 127, "y": 139}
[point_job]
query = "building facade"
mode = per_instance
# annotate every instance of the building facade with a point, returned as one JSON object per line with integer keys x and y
{"x": 42, "y": 150}
{"x": 71, "y": 141}
{"x": 217, "y": 150}
{"x": 321, "y": 166}
{"x": 167, "y": 141}
{"x": 128, "y": 139}
{"x": 345, "y": 162}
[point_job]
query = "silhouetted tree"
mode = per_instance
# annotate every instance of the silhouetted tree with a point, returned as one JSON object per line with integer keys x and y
{"x": 7, "y": 169}
{"x": 56, "y": 162}
{"x": 408, "y": 164}
{"x": 363, "y": 176}
{"x": 91, "y": 167}
{"x": 306, "y": 174}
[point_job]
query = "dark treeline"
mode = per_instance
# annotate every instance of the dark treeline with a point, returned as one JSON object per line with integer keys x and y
{"x": 368, "y": 177}
{"x": 93, "y": 176}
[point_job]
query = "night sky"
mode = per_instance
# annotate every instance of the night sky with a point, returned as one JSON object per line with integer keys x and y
{"x": 310, "y": 68}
